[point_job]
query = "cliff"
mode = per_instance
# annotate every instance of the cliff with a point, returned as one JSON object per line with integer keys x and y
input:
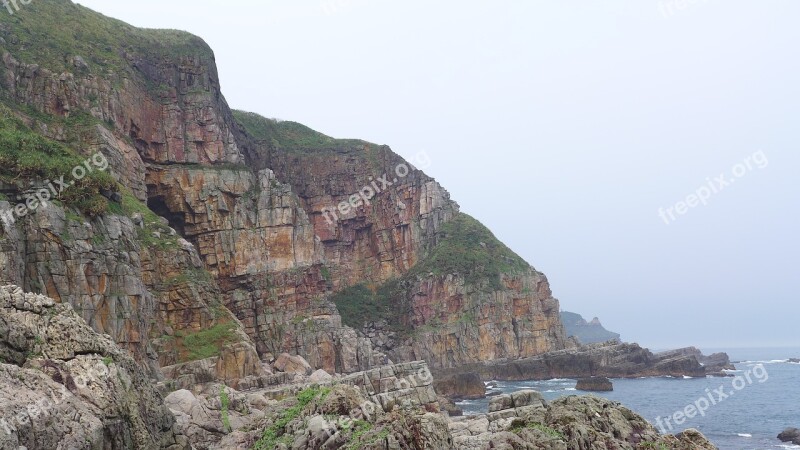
{"x": 587, "y": 332}
{"x": 206, "y": 234}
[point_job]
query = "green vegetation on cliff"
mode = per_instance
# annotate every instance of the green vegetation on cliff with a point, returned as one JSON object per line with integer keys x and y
{"x": 53, "y": 32}
{"x": 361, "y": 304}
{"x": 206, "y": 343}
{"x": 26, "y": 155}
{"x": 466, "y": 247}
{"x": 288, "y": 135}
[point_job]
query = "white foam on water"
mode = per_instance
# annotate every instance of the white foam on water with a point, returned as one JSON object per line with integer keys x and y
{"x": 747, "y": 435}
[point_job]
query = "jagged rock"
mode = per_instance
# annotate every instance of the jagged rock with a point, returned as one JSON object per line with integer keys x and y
{"x": 62, "y": 385}
{"x": 292, "y": 364}
{"x": 466, "y": 385}
{"x": 790, "y": 435}
{"x": 449, "y": 407}
{"x": 569, "y": 423}
{"x": 596, "y": 384}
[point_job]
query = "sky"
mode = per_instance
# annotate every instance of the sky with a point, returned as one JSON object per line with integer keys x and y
{"x": 642, "y": 154}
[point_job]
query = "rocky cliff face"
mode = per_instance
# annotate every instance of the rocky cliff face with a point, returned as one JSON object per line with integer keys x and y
{"x": 224, "y": 234}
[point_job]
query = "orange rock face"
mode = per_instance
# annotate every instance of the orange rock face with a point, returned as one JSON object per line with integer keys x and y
{"x": 260, "y": 234}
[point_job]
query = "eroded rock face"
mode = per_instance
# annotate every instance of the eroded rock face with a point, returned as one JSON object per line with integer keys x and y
{"x": 522, "y": 420}
{"x": 62, "y": 385}
{"x": 250, "y": 213}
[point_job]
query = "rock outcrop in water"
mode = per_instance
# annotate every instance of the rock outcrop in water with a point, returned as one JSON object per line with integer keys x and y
{"x": 594, "y": 384}
{"x": 611, "y": 360}
{"x": 790, "y": 435}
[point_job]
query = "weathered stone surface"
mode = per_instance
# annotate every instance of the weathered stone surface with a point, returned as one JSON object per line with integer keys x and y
{"x": 569, "y": 423}
{"x": 319, "y": 376}
{"x": 466, "y": 385}
{"x": 65, "y": 386}
{"x": 292, "y": 364}
{"x": 596, "y": 384}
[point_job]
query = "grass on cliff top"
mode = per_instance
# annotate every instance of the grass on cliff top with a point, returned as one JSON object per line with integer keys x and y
{"x": 361, "y": 304}
{"x": 26, "y": 155}
{"x": 288, "y": 135}
{"x": 51, "y": 32}
{"x": 466, "y": 247}
{"x": 273, "y": 434}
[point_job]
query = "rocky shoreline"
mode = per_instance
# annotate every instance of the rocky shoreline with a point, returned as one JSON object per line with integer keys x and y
{"x": 610, "y": 360}
{"x": 63, "y": 385}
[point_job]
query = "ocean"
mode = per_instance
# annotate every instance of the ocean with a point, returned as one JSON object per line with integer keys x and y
{"x": 743, "y": 412}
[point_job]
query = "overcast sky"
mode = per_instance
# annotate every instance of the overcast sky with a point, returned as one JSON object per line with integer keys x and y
{"x": 564, "y": 127}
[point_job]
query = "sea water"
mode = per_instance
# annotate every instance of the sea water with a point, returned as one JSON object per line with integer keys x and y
{"x": 748, "y": 417}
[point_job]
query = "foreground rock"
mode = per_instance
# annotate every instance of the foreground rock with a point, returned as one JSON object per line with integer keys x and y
{"x": 467, "y": 385}
{"x": 595, "y": 384}
{"x": 63, "y": 386}
{"x": 790, "y": 435}
{"x": 394, "y": 407}
{"x": 524, "y": 421}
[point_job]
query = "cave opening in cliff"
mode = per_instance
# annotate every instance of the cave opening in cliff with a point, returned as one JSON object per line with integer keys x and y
{"x": 176, "y": 220}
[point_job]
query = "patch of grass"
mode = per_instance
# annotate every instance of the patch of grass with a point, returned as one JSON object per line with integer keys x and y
{"x": 288, "y": 135}
{"x": 3, "y": 197}
{"x": 466, "y": 247}
{"x": 26, "y": 155}
{"x": 360, "y": 304}
{"x": 107, "y": 360}
{"x": 225, "y": 402}
{"x": 51, "y": 32}
{"x": 206, "y": 343}
{"x": 360, "y": 428}
{"x": 272, "y": 434}
{"x": 519, "y": 425}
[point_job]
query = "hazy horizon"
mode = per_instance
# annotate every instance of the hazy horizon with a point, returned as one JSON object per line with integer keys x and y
{"x": 580, "y": 136}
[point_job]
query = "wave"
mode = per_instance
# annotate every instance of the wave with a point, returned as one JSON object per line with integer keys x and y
{"x": 570, "y": 389}
{"x": 770, "y": 361}
{"x": 747, "y": 435}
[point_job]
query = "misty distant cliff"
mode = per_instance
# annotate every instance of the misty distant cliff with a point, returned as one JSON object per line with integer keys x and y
{"x": 586, "y": 332}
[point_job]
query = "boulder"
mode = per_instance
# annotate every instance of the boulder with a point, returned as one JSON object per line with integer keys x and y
{"x": 790, "y": 435}
{"x": 320, "y": 376}
{"x": 794, "y": 360}
{"x": 595, "y": 384}
{"x": 292, "y": 364}
{"x": 466, "y": 385}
